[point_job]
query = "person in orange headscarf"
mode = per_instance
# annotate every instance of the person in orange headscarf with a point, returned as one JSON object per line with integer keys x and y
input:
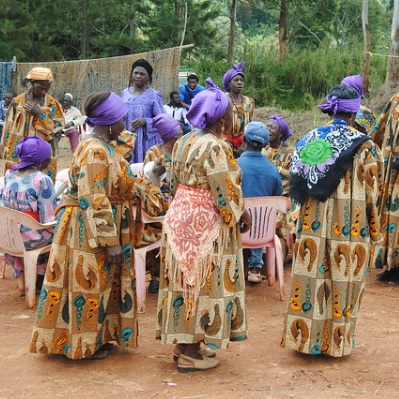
{"x": 34, "y": 113}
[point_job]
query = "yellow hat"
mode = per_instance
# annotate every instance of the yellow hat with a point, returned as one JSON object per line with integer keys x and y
{"x": 40, "y": 73}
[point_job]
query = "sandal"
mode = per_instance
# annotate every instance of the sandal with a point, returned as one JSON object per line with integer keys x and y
{"x": 206, "y": 363}
{"x": 203, "y": 351}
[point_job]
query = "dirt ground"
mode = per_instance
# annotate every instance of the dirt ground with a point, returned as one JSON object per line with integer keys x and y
{"x": 255, "y": 368}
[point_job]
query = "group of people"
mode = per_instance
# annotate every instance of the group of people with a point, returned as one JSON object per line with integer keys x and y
{"x": 87, "y": 299}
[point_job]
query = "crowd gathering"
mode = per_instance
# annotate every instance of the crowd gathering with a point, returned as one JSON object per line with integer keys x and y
{"x": 203, "y": 154}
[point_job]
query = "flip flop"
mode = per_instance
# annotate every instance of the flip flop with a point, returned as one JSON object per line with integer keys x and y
{"x": 203, "y": 351}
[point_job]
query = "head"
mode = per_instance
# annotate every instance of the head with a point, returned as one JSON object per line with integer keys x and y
{"x": 168, "y": 128}
{"x": 256, "y": 136}
{"x": 67, "y": 100}
{"x": 211, "y": 107}
{"x": 174, "y": 98}
{"x": 279, "y": 129}
{"x": 356, "y": 82}
{"x": 8, "y": 97}
{"x": 365, "y": 120}
{"x": 40, "y": 79}
{"x": 141, "y": 73}
{"x": 236, "y": 74}
{"x": 192, "y": 81}
{"x": 342, "y": 102}
{"x": 34, "y": 152}
{"x": 106, "y": 110}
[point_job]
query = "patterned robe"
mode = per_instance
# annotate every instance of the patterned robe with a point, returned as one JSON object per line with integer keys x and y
{"x": 86, "y": 301}
{"x": 204, "y": 161}
{"x": 386, "y": 135}
{"x": 331, "y": 257}
{"x": 20, "y": 123}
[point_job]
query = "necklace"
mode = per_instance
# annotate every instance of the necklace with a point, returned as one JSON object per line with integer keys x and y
{"x": 99, "y": 137}
{"x": 211, "y": 131}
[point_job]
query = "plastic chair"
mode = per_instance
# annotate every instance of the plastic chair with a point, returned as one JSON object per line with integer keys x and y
{"x": 262, "y": 233}
{"x": 12, "y": 243}
{"x": 137, "y": 169}
{"x": 140, "y": 258}
{"x": 61, "y": 182}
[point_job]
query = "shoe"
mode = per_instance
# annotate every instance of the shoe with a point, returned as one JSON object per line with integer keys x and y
{"x": 99, "y": 355}
{"x": 206, "y": 363}
{"x": 384, "y": 276}
{"x": 153, "y": 287}
{"x": 254, "y": 275}
{"x": 203, "y": 351}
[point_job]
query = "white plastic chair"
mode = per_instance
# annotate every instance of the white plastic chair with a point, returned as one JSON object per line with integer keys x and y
{"x": 137, "y": 169}
{"x": 61, "y": 182}
{"x": 140, "y": 258}
{"x": 12, "y": 243}
{"x": 262, "y": 233}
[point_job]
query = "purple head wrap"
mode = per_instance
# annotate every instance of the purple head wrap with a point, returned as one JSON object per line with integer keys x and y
{"x": 166, "y": 126}
{"x": 32, "y": 150}
{"x": 282, "y": 125}
{"x": 335, "y": 105}
{"x": 231, "y": 73}
{"x": 208, "y": 106}
{"x": 356, "y": 82}
{"x": 108, "y": 112}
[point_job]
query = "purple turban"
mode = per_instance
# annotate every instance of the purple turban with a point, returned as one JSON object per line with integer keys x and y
{"x": 166, "y": 126}
{"x": 335, "y": 105}
{"x": 356, "y": 82}
{"x": 32, "y": 150}
{"x": 207, "y": 106}
{"x": 231, "y": 73}
{"x": 282, "y": 125}
{"x": 108, "y": 112}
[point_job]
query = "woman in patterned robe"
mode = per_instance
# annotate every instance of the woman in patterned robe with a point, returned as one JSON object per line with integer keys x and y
{"x": 34, "y": 113}
{"x": 335, "y": 177}
{"x": 202, "y": 288}
{"x": 88, "y": 296}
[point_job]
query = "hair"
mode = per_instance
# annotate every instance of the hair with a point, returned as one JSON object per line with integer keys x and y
{"x": 11, "y": 92}
{"x": 173, "y": 93}
{"x": 144, "y": 64}
{"x": 93, "y": 100}
{"x": 193, "y": 76}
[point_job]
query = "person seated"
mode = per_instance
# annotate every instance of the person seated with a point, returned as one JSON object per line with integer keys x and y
{"x": 260, "y": 178}
{"x": 190, "y": 90}
{"x": 3, "y": 108}
{"x": 177, "y": 111}
{"x": 73, "y": 119}
{"x": 29, "y": 190}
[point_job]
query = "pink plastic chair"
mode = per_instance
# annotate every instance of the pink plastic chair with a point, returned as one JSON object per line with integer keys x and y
{"x": 140, "y": 259}
{"x": 12, "y": 243}
{"x": 264, "y": 211}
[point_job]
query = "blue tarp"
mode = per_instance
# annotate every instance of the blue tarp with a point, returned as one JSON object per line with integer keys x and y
{"x": 5, "y": 78}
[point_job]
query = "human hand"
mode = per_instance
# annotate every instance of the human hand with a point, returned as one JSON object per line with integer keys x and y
{"x": 159, "y": 168}
{"x": 138, "y": 122}
{"x": 245, "y": 221}
{"x": 114, "y": 255}
{"x": 32, "y": 108}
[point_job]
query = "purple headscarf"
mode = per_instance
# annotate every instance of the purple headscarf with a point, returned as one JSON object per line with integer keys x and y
{"x": 166, "y": 126}
{"x": 356, "y": 82}
{"x": 108, "y": 112}
{"x": 208, "y": 106}
{"x": 231, "y": 73}
{"x": 335, "y": 105}
{"x": 283, "y": 126}
{"x": 32, "y": 150}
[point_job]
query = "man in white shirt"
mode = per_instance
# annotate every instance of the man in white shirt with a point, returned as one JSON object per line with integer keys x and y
{"x": 73, "y": 119}
{"x": 176, "y": 111}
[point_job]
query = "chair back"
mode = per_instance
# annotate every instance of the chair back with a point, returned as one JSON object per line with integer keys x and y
{"x": 61, "y": 182}
{"x": 137, "y": 169}
{"x": 263, "y": 211}
{"x": 11, "y": 241}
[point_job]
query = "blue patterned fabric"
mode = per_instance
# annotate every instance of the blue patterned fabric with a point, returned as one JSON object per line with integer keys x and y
{"x": 5, "y": 78}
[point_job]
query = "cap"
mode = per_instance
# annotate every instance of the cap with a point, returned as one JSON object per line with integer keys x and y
{"x": 256, "y": 133}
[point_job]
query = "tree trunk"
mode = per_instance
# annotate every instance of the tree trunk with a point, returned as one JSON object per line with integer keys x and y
{"x": 181, "y": 18}
{"x": 233, "y": 19}
{"x": 283, "y": 29}
{"x": 393, "y": 60}
{"x": 85, "y": 31}
{"x": 367, "y": 46}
